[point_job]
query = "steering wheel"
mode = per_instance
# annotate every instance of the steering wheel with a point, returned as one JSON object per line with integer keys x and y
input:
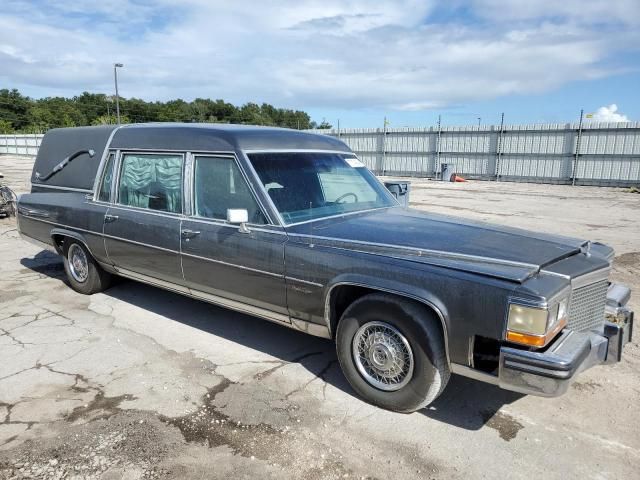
{"x": 348, "y": 194}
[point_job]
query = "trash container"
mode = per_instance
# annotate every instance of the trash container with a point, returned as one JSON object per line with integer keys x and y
{"x": 446, "y": 172}
{"x": 400, "y": 190}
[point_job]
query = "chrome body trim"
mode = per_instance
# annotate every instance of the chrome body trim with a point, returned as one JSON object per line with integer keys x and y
{"x": 438, "y": 312}
{"x": 242, "y": 267}
{"x": 67, "y": 189}
{"x": 469, "y": 372}
{"x": 419, "y": 251}
{"x": 293, "y": 323}
{"x": 104, "y": 235}
{"x": 306, "y": 282}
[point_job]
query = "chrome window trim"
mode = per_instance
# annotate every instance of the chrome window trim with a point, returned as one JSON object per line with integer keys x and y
{"x": 96, "y": 193}
{"x": 158, "y": 213}
{"x": 245, "y": 177}
{"x": 170, "y": 150}
{"x": 254, "y": 226}
{"x": 338, "y": 215}
{"x": 296, "y": 150}
{"x": 105, "y": 153}
{"x": 438, "y": 312}
{"x": 261, "y": 186}
{"x": 115, "y": 201}
{"x": 69, "y": 189}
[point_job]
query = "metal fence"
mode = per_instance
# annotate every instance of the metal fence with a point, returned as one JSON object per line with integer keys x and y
{"x": 586, "y": 154}
{"x": 20, "y": 144}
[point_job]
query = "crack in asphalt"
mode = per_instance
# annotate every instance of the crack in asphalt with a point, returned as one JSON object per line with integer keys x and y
{"x": 320, "y": 376}
{"x": 283, "y": 363}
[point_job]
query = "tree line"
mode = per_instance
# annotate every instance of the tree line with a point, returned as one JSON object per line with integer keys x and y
{"x": 22, "y": 114}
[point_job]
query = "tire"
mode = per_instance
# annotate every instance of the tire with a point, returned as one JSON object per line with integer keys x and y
{"x": 415, "y": 336}
{"x": 89, "y": 278}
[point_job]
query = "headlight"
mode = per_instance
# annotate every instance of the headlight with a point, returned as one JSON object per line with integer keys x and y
{"x": 535, "y": 326}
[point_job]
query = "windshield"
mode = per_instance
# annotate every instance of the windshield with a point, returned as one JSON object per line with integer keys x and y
{"x": 305, "y": 186}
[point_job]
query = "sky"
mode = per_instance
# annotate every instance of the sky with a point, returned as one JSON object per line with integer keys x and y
{"x": 352, "y": 61}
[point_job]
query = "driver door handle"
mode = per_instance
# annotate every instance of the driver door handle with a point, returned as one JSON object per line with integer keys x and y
{"x": 110, "y": 218}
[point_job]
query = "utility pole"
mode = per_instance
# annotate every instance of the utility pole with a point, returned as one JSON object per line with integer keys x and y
{"x": 578, "y": 139}
{"x": 438, "y": 147}
{"x": 499, "y": 147}
{"x": 115, "y": 78}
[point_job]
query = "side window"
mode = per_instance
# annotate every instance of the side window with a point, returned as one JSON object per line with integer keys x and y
{"x": 219, "y": 185}
{"x": 104, "y": 195}
{"x": 151, "y": 181}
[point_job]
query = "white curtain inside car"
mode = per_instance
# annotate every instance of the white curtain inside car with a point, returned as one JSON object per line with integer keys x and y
{"x": 152, "y": 181}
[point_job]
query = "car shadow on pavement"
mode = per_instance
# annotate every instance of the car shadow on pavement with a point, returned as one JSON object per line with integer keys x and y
{"x": 468, "y": 403}
{"x": 465, "y": 403}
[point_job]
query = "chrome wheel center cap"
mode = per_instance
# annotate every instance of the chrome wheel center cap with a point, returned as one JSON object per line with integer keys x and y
{"x": 381, "y": 356}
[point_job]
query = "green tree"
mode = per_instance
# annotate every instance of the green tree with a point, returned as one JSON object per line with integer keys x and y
{"x": 5, "y": 126}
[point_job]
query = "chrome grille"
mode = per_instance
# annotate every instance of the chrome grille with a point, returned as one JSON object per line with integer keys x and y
{"x": 586, "y": 311}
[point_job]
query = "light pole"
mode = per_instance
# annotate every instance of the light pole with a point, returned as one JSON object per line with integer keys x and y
{"x": 115, "y": 77}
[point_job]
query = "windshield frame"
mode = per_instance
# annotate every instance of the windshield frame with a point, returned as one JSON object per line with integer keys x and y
{"x": 274, "y": 208}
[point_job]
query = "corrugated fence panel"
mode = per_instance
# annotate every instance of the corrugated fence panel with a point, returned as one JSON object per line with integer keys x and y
{"x": 609, "y": 152}
{"x": 20, "y": 144}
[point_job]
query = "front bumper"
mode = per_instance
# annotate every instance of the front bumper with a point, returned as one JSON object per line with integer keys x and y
{"x": 549, "y": 373}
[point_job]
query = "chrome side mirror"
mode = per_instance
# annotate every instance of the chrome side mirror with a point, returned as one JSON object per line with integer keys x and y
{"x": 239, "y": 216}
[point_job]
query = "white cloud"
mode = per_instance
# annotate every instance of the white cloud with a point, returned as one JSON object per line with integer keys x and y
{"x": 330, "y": 53}
{"x": 609, "y": 113}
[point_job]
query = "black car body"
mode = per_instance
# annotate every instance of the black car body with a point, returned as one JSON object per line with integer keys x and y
{"x": 218, "y": 212}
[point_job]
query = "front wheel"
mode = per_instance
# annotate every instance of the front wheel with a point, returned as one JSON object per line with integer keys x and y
{"x": 392, "y": 352}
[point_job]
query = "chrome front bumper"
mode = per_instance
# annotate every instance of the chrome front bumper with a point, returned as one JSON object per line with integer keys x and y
{"x": 549, "y": 372}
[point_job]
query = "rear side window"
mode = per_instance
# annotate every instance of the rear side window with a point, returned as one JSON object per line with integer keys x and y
{"x": 104, "y": 195}
{"x": 151, "y": 181}
{"x": 218, "y": 186}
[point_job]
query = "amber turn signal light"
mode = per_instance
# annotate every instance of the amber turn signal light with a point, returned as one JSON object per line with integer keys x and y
{"x": 535, "y": 340}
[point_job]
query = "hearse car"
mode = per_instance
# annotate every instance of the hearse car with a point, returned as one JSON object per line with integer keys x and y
{"x": 292, "y": 227}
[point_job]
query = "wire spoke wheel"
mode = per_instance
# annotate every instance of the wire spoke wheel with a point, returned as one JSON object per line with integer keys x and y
{"x": 78, "y": 263}
{"x": 383, "y": 356}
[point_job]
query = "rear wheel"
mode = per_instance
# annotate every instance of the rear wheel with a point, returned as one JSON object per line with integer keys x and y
{"x": 392, "y": 352}
{"x": 83, "y": 272}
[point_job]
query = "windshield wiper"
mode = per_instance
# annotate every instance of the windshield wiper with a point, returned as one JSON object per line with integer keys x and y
{"x": 63, "y": 164}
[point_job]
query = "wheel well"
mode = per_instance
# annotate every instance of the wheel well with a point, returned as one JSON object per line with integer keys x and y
{"x": 344, "y": 295}
{"x": 58, "y": 242}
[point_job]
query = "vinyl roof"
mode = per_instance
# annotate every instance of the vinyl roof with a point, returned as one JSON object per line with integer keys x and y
{"x": 219, "y": 137}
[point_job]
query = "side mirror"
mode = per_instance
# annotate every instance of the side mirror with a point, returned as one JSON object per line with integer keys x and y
{"x": 238, "y": 216}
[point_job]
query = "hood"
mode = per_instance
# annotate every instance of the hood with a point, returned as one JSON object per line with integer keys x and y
{"x": 451, "y": 242}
